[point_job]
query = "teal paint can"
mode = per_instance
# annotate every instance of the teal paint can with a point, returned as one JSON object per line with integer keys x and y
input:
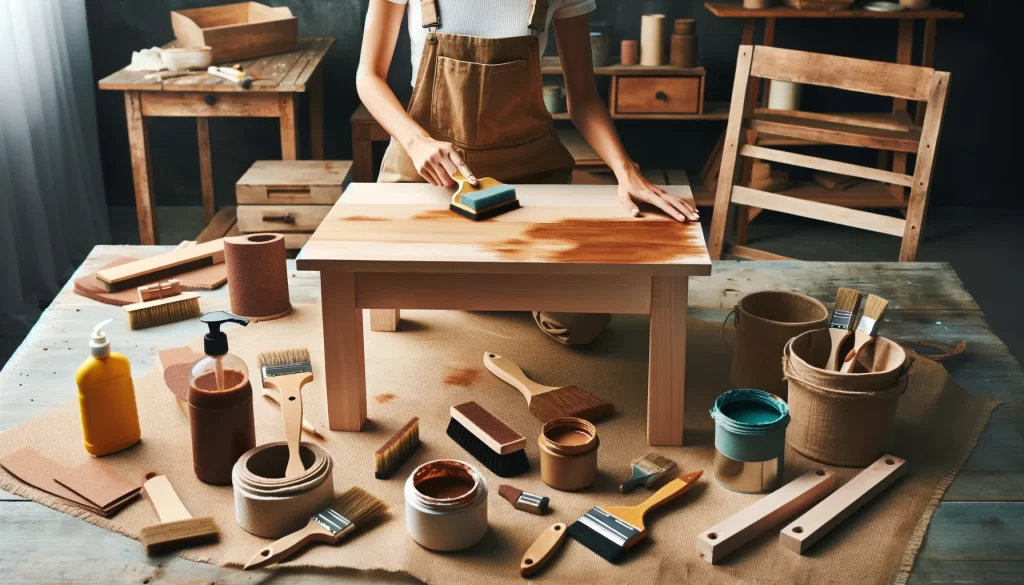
{"x": 750, "y": 440}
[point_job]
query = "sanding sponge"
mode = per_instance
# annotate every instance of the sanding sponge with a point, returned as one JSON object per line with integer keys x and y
{"x": 488, "y": 199}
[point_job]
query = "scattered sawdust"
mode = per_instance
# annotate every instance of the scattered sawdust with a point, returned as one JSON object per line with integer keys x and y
{"x": 384, "y": 398}
{"x": 464, "y": 377}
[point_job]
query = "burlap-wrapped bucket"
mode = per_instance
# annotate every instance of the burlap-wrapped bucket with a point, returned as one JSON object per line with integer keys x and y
{"x": 765, "y": 322}
{"x": 843, "y": 419}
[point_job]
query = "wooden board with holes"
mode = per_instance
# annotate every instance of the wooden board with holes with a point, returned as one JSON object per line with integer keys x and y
{"x": 560, "y": 229}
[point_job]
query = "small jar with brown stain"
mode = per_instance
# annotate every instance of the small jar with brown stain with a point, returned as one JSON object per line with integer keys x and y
{"x": 446, "y": 505}
{"x": 568, "y": 453}
{"x": 220, "y": 416}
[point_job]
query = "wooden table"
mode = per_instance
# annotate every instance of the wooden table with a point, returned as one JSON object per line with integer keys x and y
{"x": 279, "y": 81}
{"x": 975, "y": 536}
{"x": 569, "y": 248}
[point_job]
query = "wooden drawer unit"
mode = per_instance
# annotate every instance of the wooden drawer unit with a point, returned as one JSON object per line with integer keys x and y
{"x": 289, "y": 197}
{"x": 658, "y": 95}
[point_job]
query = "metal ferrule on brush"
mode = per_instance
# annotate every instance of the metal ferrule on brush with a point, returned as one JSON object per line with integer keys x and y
{"x": 609, "y": 527}
{"x": 334, "y": 522}
{"x": 866, "y": 325}
{"x": 841, "y": 319}
{"x": 271, "y": 371}
{"x": 532, "y": 503}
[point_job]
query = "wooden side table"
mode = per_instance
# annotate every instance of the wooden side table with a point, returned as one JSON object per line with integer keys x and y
{"x": 279, "y": 81}
{"x": 569, "y": 248}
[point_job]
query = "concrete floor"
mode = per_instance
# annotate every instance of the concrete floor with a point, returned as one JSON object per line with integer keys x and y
{"x": 984, "y": 246}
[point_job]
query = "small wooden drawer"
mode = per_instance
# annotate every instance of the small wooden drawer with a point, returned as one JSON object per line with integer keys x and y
{"x": 658, "y": 95}
{"x": 293, "y": 182}
{"x": 280, "y": 218}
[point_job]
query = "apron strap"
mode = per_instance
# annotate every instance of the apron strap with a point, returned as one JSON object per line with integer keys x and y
{"x": 431, "y": 16}
{"x": 538, "y": 15}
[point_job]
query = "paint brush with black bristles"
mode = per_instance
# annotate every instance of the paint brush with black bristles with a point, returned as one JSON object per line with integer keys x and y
{"x": 647, "y": 471}
{"x": 495, "y": 444}
{"x": 611, "y": 531}
{"x": 355, "y": 509}
{"x": 847, "y": 303}
{"x": 867, "y": 328}
{"x": 287, "y": 372}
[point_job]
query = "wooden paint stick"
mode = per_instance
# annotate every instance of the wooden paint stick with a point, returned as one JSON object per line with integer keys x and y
{"x": 808, "y": 529}
{"x": 720, "y": 540}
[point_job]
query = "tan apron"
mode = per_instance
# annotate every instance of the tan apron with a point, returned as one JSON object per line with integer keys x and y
{"x": 484, "y": 96}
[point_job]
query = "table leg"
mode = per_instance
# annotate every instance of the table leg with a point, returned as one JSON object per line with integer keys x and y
{"x": 362, "y": 154}
{"x": 666, "y": 381}
{"x": 344, "y": 362}
{"x": 927, "y": 60}
{"x": 289, "y": 141}
{"x": 904, "y": 53}
{"x": 206, "y": 170}
{"x": 316, "y": 115}
{"x": 142, "y": 172}
{"x": 385, "y": 320}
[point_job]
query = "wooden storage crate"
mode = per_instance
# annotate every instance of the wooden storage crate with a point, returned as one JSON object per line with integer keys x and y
{"x": 289, "y": 197}
{"x": 246, "y": 30}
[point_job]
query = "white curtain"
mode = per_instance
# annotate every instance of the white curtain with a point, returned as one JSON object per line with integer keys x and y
{"x": 52, "y": 208}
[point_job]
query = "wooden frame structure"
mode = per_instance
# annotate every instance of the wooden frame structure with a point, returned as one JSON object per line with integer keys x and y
{"x": 902, "y": 82}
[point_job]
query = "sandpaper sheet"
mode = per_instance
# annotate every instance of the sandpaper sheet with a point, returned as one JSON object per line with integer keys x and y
{"x": 205, "y": 278}
{"x": 97, "y": 482}
{"x": 32, "y": 467}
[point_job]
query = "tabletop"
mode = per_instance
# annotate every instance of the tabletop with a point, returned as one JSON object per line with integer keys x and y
{"x": 736, "y": 10}
{"x": 283, "y": 73}
{"x": 976, "y": 534}
{"x": 560, "y": 229}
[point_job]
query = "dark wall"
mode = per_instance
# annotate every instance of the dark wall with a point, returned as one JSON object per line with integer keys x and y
{"x": 973, "y": 165}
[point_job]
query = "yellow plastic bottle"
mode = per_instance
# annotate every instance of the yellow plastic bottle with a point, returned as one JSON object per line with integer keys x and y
{"x": 106, "y": 397}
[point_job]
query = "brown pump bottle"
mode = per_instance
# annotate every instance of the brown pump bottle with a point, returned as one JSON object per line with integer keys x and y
{"x": 219, "y": 405}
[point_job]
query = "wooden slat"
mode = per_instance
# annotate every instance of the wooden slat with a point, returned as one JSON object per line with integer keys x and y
{"x": 895, "y": 122}
{"x": 833, "y": 133}
{"x": 749, "y": 253}
{"x": 552, "y": 66}
{"x": 219, "y": 226}
{"x": 824, "y": 164}
{"x": 190, "y": 105}
{"x": 874, "y": 77}
{"x": 820, "y": 211}
{"x": 498, "y": 292}
{"x": 775, "y": 10}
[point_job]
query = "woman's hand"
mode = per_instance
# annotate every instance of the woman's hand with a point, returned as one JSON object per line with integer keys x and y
{"x": 633, "y": 187}
{"x": 437, "y": 161}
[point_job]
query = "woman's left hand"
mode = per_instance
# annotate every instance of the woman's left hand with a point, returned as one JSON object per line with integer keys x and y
{"x": 633, "y": 187}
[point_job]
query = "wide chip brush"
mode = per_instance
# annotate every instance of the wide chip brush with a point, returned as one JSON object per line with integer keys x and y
{"x": 549, "y": 402}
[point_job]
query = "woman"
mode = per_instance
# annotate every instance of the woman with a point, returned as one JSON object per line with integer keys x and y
{"x": 477, "y": 103}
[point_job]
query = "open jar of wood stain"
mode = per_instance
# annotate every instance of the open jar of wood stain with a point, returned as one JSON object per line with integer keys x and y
{"x": 568, "y": 453}
{"x": 446, "y": 505}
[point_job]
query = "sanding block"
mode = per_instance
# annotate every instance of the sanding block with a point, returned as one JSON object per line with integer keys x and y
{"x": 488, "y": 199}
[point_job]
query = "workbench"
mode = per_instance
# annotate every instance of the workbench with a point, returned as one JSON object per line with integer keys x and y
{"x": 279, "y": 80}
{"x": 976, "y": 535}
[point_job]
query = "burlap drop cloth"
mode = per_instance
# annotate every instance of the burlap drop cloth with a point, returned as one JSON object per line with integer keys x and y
{"x": 434, "y": 361}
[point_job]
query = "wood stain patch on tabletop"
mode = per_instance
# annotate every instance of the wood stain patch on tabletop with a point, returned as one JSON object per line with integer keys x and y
{"x": 384, "y": 398}
{"x": 603, "y": 241}
{"x": 463, "y": 377}
{"x": 364, "y": 218}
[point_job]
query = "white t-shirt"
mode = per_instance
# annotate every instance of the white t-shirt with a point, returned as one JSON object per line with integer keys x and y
{"x": 487, "y": 19}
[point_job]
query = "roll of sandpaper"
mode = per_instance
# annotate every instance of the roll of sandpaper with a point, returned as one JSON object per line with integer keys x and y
{"x": 269, "y": 505}
{"x": 257, "y": 276}
{"x": 652, "y": 40}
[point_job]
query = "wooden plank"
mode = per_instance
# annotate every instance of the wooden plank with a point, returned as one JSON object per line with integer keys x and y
{"x": 316, "y": 116}
{"x": 666, "y": 378}
{"x": 824, "y": 164}
{"x": 503, "y": 292}
{"x": 973, "y": 543}
{"x": 344, "y": 361}
{"x": 191, "y": 105}
{"x": 289, "y": 129}
{"x": 206, "y": 169}
{"x": 896, "y": 123}
{"x": 142, "y": 169}
{"x": 860, "y": 75}
{"x": 820, "y": 211}
{"x": 833, "y": 133}
{"x": 219, "y": 226}
{"x": 213, "y": 251}
{"x": 904, "y": 53}
{"x": 927, "y": 60}
{"x": 754, "y": 254}
{"x": 736, "y": 10}
{"x": 579, "y": 148}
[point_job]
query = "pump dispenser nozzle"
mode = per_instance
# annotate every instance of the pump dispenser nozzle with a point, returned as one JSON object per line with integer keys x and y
{"x": 99, "y": 347}
{"x": 216, "y": 342}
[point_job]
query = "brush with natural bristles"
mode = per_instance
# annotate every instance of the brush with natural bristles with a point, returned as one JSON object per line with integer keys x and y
{"x": 397, "y": 450}
{"x": 177, "y": 527}
{"x": 549, "y": 402}
{"x": 162, "y": 311}
{"x": 499, "y": 447}
{"x": 847, "y": 302}
{"x": 647, "y": 471}
{"x": 287, "y": 371}
{"x": 355, "y": 509}
{"x": 867, "y": 328}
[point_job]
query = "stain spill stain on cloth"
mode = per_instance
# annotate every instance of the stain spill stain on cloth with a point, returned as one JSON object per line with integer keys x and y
{"x": 464, "y": 377}
{"x": 596, "y": 241}
{"x": 384, "y": 398}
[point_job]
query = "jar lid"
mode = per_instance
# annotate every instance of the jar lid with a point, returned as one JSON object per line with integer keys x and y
{"x": 569, "y": 436}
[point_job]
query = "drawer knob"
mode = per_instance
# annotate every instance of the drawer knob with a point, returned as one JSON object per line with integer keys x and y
{"x": 279, "y": 219}
{"x": 211, "y": 100}
{"x": 661, "y": 96}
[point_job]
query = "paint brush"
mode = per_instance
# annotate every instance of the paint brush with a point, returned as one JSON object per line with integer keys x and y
{"x": 397, "y": 450}
{"x": 847, "y": 302}
{"x": 499, "y": 447}
{"x": 287, "y": 371}
{"x": 647, "y": 471}
{"x": 549, "y": 402}
{"x": 611, "y": 531}
{"x": 177, "y": 528}
{"x": 867, "y": 328}
{"x": 162, "y": 311}
{"x": 525, "y": 501}
{"x": 354, "y": 509}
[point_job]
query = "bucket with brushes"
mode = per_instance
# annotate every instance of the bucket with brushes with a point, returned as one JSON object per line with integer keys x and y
{"x": 750, "y": 440}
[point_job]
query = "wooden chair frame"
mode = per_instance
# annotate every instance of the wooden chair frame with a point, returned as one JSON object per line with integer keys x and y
{"x": 901, "y": 82}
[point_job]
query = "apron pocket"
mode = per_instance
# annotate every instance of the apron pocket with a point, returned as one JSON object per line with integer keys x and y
{"x": 477, "y": 105}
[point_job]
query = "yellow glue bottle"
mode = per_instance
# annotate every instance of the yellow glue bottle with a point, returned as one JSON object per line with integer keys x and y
{"x": 106, "y": 397}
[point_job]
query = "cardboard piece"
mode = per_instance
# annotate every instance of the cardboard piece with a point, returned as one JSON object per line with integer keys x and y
{"x": 205, "y": 278}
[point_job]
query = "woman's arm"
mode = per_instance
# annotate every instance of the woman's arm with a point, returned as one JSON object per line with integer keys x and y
{"x": 590, "y": 115}
{"x": 435, "y": 161}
